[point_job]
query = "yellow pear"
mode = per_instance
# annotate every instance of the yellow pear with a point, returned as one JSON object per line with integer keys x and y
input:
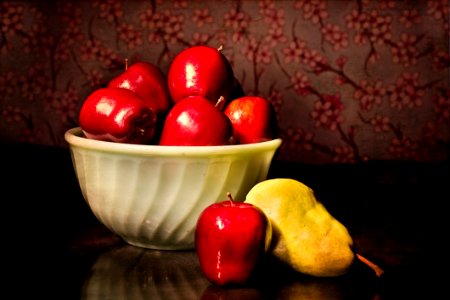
{"x": 305, "y": 235}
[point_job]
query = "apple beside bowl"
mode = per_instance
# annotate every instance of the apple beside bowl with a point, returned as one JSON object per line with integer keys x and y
{"x": 152, "y": 195}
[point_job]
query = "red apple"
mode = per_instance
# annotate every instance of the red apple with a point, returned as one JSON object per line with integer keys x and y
{"x": 148, "y": 82}
{"x": 253, "y": 119}
{"x": 195, "y": 121}
{"x": 117, "y": 115}
{"x": 200, "y": 71}
{"x": 231, "y": 238}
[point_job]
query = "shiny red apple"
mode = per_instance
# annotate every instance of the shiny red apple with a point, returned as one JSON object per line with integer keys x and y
{"x": 253, "y": 119}
{"x": 195, "y": 121}
{"x": 231, "y": 239}
{"x": 200, "y": 71}
{"x": 117, "y": 115}
{"x": 148, "y": 82}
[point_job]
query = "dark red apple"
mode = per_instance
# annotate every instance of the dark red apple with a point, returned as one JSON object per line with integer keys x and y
{"x": 195, "y": 121}
{"x": 200, "y": 71}
{"x": 231, "y": 239}
{"x": 237, "y": 90}
{"x": 117, "y": 115}
{"x": 253, "y": 119}
{"x": 148, "y": 82}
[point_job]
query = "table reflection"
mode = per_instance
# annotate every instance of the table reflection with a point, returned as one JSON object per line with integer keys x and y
{"x": 130, "y": 272}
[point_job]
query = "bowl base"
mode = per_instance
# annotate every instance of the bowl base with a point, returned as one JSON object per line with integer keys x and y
{"x": 159, "y": 246}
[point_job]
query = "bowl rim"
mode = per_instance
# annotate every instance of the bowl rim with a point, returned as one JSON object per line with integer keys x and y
{"x": 74, "y": 137}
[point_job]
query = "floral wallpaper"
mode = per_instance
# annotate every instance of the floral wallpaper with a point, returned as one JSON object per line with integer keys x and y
{"x": 351, "y": 81}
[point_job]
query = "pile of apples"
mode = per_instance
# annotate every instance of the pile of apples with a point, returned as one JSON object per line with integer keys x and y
{"x": 199, "y": 103}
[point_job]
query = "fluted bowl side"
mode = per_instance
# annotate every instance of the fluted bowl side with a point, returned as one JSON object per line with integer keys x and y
{"x": 152, "y": 195}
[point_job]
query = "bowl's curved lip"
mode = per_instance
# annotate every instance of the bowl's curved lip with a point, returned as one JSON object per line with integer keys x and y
{"x": 74, "y": 137}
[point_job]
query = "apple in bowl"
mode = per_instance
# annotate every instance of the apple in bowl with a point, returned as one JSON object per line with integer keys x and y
{"x": 200, "y": 71}
{"x": 196, "y": 121}
{"x": 253, "y": 119}
{"x": 148, "y": 82}
{"x": 117, "y": 115}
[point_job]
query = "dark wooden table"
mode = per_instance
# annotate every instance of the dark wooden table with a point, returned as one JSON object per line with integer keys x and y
{"x": 53, "y": 247}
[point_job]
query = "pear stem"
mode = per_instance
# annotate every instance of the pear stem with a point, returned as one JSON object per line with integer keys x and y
{"x": 378, "y": 271}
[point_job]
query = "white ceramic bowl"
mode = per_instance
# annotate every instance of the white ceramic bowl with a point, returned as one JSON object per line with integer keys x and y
{"x": 152, "y": 195}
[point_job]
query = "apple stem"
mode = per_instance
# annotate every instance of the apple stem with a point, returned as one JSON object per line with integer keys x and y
{"x": 126, "y": 64}
{"x": 220, "y": 102}
{"x": 230, "y": 198}
{"x": 378, "y": 271}
{"x": 220, "y": 48}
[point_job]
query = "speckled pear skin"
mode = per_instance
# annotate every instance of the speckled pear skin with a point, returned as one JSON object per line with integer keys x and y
{"x": 305, "y": 235}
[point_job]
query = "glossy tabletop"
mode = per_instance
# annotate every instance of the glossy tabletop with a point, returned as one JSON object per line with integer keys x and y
{"x": 54, "y": 247}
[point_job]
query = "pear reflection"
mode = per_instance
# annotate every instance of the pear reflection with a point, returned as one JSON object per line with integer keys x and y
{"x": 357, "y": 284}
{"x": 327, "y": 290}
{"x": 136, "y": 273}
{"x": 316, "y": 289}
{"x": 275, "y": 281}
